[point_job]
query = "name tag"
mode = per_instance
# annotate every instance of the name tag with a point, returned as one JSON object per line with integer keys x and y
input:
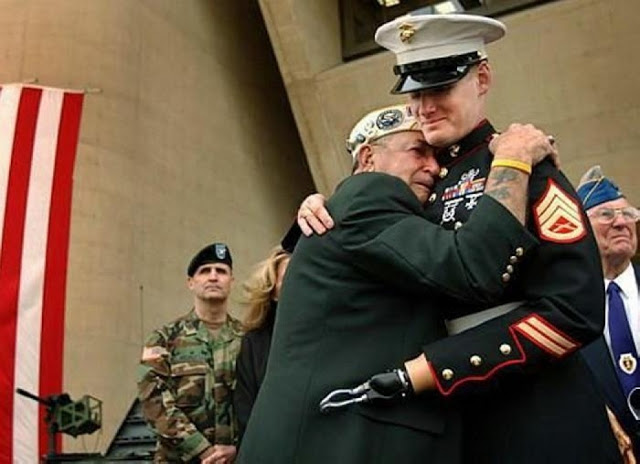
{"x": 460, "y": 324}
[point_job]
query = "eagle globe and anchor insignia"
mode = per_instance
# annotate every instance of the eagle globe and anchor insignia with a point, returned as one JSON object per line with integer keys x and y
{"x": 407, "y": 31}
{"x": 627, "y": 363}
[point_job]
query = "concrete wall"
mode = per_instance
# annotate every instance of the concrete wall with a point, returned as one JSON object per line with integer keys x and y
{"x": 305, "y": 36}
{"x": 567, "y": 66}
{"x": 191, "y": 140}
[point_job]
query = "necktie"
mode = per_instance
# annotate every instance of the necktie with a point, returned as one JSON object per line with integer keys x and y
{"x": 623, "y": 348}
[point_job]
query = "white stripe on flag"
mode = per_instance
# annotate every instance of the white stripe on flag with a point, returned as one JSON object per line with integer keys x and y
{"x": 9, "y": 100}
{"x": 29, "y": 323}
{"x": 38, "y": 140}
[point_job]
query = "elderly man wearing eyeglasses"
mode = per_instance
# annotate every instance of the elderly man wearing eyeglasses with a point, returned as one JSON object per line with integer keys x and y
{"x": 614, "y": 359}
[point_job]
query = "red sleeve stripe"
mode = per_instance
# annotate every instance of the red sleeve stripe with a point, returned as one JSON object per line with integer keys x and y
{"x": 546, "y": 336}
{"x": 540, "y": 340}
{"x": 556, "y": 336}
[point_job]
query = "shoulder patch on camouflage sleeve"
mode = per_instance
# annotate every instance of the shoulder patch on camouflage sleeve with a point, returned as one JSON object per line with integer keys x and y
{"x": 558, "y": 216}
{"x": 153, "y": 353}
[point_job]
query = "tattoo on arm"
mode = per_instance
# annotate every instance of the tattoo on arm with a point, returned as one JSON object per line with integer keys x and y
{"x": 509, "y": 188}
{"x": 500, "y": 194}
{"x": 504, "y": 175}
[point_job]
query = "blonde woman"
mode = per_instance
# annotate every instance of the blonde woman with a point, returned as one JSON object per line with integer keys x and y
{"x": 261, "y": 293}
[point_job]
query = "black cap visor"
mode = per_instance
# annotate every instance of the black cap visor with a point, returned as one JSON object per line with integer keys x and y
{"x": 432, "y": 74}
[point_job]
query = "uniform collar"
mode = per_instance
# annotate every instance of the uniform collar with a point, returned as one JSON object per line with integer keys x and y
{"x": 231, "y": 329}
{"x": 478, "y": 137}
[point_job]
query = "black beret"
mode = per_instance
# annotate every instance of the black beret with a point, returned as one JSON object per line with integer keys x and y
{"x": 214, "y": 253}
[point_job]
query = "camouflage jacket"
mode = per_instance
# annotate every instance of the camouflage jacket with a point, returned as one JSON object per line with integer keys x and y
{"x": 186, "y": 380}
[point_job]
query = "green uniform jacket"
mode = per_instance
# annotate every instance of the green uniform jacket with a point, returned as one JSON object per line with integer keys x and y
{"x": 186, "y": 383}
{"x": 357, "y": 301}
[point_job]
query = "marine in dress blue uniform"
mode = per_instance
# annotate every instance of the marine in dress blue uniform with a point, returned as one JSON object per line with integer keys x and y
{"x": 528, "y": 398}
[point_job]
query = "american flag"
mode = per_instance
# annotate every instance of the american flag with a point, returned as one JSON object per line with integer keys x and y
{"x": 38, "y": 139}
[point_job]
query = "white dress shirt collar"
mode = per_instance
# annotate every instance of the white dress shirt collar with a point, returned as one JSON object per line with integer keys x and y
{"x": 629, "y": 294}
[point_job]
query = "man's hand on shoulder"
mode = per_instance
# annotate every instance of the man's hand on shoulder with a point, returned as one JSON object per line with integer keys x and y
{"x": 526, "y": 143}
{"x": 313, "y": 217}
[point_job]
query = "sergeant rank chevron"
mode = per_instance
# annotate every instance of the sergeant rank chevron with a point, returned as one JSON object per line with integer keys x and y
{"x": 558, "y": 216}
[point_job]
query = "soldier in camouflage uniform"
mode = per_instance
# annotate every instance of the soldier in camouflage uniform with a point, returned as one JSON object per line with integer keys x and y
{"x": 187, "y": 370}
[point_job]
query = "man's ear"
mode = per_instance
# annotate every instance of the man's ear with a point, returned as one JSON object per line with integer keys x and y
{"x": 190, "y": 283}
{"x": 484, "y": 77}
{"x": 365, "y": 158}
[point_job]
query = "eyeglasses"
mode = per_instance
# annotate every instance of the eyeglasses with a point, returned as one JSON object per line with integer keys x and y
{"x": 608, "y": 215}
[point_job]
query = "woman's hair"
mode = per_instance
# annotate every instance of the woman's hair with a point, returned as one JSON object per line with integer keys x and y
{"x": 258, "y": 289}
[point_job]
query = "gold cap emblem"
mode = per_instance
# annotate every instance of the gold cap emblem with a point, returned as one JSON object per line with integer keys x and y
{"x": 407, "y": 31}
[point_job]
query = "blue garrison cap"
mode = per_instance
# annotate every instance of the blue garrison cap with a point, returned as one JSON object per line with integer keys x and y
{"x": 594, "y": 188}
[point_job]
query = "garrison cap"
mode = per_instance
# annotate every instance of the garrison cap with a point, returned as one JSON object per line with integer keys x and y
{"x": 594, "y": 188}
{"x": 436, "y": 50}
{"x": 380, "y": 123}
{"x": 214, "y": 253}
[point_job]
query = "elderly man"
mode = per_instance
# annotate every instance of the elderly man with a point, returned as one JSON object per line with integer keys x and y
{"x": 539, "y": 402}
{"x": 364, "y": 297}
{"x": 187, "y": 370}
{"x": 614, "y": 220}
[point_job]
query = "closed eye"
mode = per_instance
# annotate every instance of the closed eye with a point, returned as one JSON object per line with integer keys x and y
{"x": 421, "y": 148}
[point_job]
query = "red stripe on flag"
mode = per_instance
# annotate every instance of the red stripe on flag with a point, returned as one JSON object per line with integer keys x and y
{"x": 52, "y": 341}
{"x": 11, "y": 257}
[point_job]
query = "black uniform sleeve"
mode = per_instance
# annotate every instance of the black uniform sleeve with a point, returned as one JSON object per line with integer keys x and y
{"x": 559, "y": 286}
{"x": 246, "y": 385}
{"x": 379, "y": 222}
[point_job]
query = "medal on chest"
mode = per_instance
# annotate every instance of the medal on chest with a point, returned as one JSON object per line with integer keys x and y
{"x": 464, "y": 194}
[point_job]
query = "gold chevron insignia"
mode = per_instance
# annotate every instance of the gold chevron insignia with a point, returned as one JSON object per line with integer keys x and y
{"x": 559, "y": 216}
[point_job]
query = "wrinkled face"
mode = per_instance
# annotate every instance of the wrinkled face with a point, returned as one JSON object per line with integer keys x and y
{"x": 449, "y": 113}
{"x": 211, "y": 282}
{"x": 617, "y": 238}
{"x": 282, "y": 268}
{"x": 408, "y": 156}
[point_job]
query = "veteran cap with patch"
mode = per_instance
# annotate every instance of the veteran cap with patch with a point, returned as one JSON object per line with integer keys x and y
{"x": 436, "y": 50}
{"x": 380, "y": 123}
{"x": 214, "y": 253}
{"x": 594, "y": 188}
